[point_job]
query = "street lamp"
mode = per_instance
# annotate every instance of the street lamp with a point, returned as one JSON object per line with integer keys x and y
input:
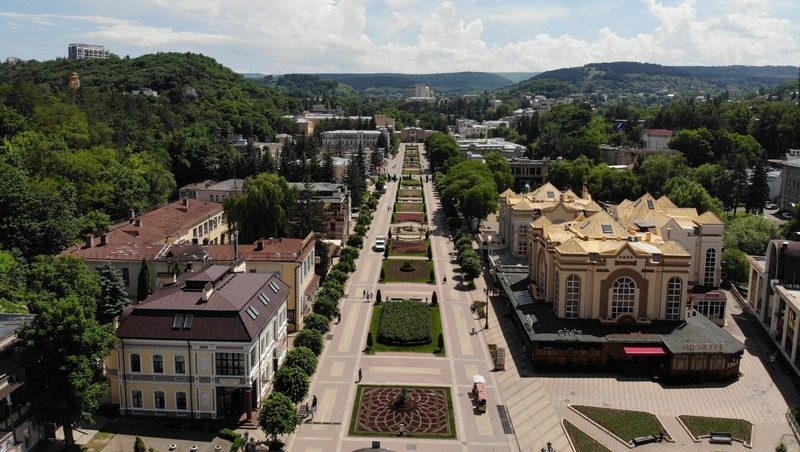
{"x": 486, "y": 311}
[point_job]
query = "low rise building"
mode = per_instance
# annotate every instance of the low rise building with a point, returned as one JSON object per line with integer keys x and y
{"x": 78, "y": 51}
{"x": 790, "y": 181}
{"x": 773, "y": 296}
{"x": 205, "y": 347}
{"x": 350, "y": 140}
{"x": 414, "y": 134}
{"x": 529, "y": 173}
{"x": 336, "y": 200}
{"x": 470, "y": 148}
{"x": 656, "y": 138}
{"x": 627, "y": 156}
{"x": 210, "y": 190}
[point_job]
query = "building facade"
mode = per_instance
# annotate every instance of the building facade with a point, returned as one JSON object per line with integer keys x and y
{"x": 656, "y": 138}
{"x": 211, "y": 191}
{"x": 529, "y": 173}
{"x": 351, "y": 140}
{"x": 77, "y": 51}
{"x": 206, "y": 347}
{"x": 773, "y": 296}
{"x": 336, "y": 200}
{"x": 790, "y": 181}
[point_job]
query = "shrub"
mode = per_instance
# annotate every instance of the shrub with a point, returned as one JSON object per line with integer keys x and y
{"x": 337, "y": 275}
{"x": 432, "y": 276}
{"x": 407, "y": 266}
{"x": 349, "y": 253}
{"x": 434, "y": 298}
{"x": 311, "y": 339}
{"x": 383, "y": 274}
{"x": 138, "y": 445}
{"x": 235, "y": 438}
{"x": 378, "y": 296}
{"x": 348, "y": 266}
{"x": 430, "y": 252}
{"x": 302, "y": 358}
{"x": 360, "y": 230}
{"x": 440, "y": 342}
{"x": 369, "y": 341}
{"x": 405, "y": 323}
{"x": 317, "y": 322}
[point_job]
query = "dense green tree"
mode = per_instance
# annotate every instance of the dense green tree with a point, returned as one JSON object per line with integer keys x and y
{"x": 356, "y": 177}
{"x": 326, "y": 171}
{"x": 138, "y": 445}
{"x": 654, "y": 172}
{"x": 687, "y": 193}
{"x": 696, "y": 145}
{"x": 293, "y": 382}
{"x": 310, "y": 339}
{"x": 735, "y": 265}
{"x": 263, "y": 209}
{"x": 612, "y": 185}
{"x": 278, "y": 415}
{"x": 144, "y": 285}
{"x": 470, "y": 187}
{"x": 66, "y": 346}
{"x": 439, "y": 147}
{"x": 13, "y": 287}
{"x": 63, "y": 276}
{"x": 317, "y": 322}
{"x": 758, "y": 190}
{"x": 471, "y": 266}
{"x": 570, "y": 174}
{"x": 309, "y": 214}
{"x": 302, "y": 358}
{"x": 501, "y": 170}
{"x": 113, "y": 296}
{"x": 750, "y": 234}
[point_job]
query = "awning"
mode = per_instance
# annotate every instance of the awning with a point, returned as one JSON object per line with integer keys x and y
{"x": 644, "y": 351}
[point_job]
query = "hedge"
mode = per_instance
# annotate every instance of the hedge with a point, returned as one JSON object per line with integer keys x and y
{"x": 405, "y": 323}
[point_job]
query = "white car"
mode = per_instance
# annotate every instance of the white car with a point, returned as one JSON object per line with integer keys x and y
{"x": 380, "y": 243}
{"x": 787, "y": 215}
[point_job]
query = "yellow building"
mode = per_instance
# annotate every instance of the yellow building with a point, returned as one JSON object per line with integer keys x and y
{"x": 147, "y": 235}
{"x": 205, "y": 347}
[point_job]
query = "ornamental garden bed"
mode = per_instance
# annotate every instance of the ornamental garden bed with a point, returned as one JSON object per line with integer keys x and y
{"x": 410, "y": 182}
{"x": 434, "y": 320}
{"x": 625, "y": 424}
{"x": 402, "y": 217}
{"x": 420, "y": 274}
{"x": 412, "y": 171}
{"x": 405, "y": 323}
{"x": 582, "y": 441}
{"x": 700, "y": 426}
{"x": 399, "y": 247}
{"x": 426, "y": 412}
{"x": 408, "y": 207}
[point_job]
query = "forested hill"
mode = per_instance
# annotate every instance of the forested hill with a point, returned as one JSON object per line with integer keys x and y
{"x": 450, "y": 83}
{"x": 630, "y": 77}
{"x": 72, "y": 160}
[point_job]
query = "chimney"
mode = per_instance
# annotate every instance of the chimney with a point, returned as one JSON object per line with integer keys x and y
{"x": 208, "y": 289}
{"x": 235, "y": 245}
{"x": 137, "y": 222}
{"x": 103, "y": 239}
{"x": 259, "y": 245}
{"x": 89, "y": 240}
{"x": 669, "y": 232}
{"x": 185, "y": 202}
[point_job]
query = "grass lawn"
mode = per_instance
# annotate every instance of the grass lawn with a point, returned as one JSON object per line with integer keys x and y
{"x": 411, "y": 194}
{"x": 409, "y": 206}
{"x": 98, "y": 442}
{"x": 402, "y": 248}
{"x": 582, "y": 441}
{"x": 421, "y": 273}
{"x": 412, "y": 171}
{"x": 623, "y": 423}
{"x": 701, "y": 425}
{"x": 436, "y": 329}
{"x": 410, "y": 182}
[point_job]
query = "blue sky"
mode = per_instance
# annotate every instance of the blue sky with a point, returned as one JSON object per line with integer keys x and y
{"x": 412, "y": 36}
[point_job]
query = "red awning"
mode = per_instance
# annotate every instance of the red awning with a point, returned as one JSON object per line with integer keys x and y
{"x": 649, "y": 351}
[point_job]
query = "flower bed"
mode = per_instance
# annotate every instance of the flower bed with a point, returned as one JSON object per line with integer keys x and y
{"x": 402, "y": 217}
{"x": 421, "y": 273}
{"x": 409, "y": 207}
{"x": 409, "y": 247}
{"x": 405, "y": 323}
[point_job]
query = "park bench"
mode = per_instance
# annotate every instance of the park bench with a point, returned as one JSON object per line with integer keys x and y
{"x": 303, "y": 411}
{"x": 645, "y": 440}
{"x": 721, "y": 438}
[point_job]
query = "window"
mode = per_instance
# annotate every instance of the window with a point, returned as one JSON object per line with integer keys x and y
{"x": 622, "y": 296}
{"x": 572, "y": 300}
{"x": 674, "y": 299}
{"x": 136, "y": 397}
{"x": 159, "y": 398}
{"x": 177, "y": 321}
{"x": 180, "y": 401}
{"x": 136, "y": 363}
{"x": 522, "y": 240}
{"x": 607, "y": 229}
{"x": 229, "y": 363}
{"x": 180, "y": 365}
{"x": 710, "y": 268}
{"x": 158, "y": 364}
{"x": 650, "y": 204}
{"x": 253, "y": 312}
{"x": 711, "y": 309}
{"x": 126, "y": 276}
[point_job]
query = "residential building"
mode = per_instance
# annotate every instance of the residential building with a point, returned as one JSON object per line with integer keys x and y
{"x": 529, "y": 172}
{"x": 336, "y": 200}
{"x": 419, "y": 91}
{"x": 18, "y": 432}
{"x": 205, "y": 347}
{"x": 384, "y": 122}
{"x": 517, "y": 211}
{"x": 627, "y": 156}
{"x": 656, "y": 138}
{"x": 414, "y": 134}
{"x": 144, "y": 236}
{"x": 211, "y": 191}
{"x": 147, "y": 92}
{"x": 480, "y": 146}
{"x": 773, "y": 296}
{"x": 292, "y": 260}
{"x": 351, "y": 140}
{"x": 790, "y": 181}
{"x": 77, "y": 51}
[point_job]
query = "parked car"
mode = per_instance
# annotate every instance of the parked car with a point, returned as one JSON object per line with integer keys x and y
{"x": 380, "y": 243}
{"x": 770, "y": 206}
{"x": 787, "y": 215}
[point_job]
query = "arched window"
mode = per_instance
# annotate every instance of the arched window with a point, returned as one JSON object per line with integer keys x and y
{"x": 623, "y": 293}
{"x": 522, "y": 240}
{"x": 572, "y": 301}
{"x": 136, "y": 397}
{"x": 158, "y": 364}
{"x": 710, "y": 268}
{"x": 674, "y": 299}
{"x": 542, "y": 275}
{"x": 556, "y": 294}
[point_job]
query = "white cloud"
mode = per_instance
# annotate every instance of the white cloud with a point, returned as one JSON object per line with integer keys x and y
{"x": 156, "y": 37}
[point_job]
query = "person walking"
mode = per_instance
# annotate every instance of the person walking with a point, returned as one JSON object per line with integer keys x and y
{"x": 364, "y": 294}
{"x": 359, "y": 375}
{"x": 313, "y": 403}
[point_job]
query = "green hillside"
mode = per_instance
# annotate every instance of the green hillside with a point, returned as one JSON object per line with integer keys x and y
{"x": 451, "y": 83}
{"x": 633, "y": 78}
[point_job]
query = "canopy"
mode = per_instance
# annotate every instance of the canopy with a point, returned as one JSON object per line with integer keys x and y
{"x": 478, "y": 379}
{"x": 644, "y": 351}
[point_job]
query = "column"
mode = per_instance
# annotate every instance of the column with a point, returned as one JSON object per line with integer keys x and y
{"x": 785, "y": 320}
{"x": 248, "y": 402}
{"x": 794, "y": 339}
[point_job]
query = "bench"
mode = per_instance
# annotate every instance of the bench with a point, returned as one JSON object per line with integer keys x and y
{"x": 645, "y": 440}
{"x": 721, "y": 438}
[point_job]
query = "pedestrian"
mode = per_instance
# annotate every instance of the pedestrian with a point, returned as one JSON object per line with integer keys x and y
{"x": 313, "y": 403}
{"x": 364, "y": 294}
{"x": 338, "y": 317}
{"x": 359, "y": 375}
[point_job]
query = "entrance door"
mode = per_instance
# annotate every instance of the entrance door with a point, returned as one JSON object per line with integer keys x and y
{"x": 230, "y": 402}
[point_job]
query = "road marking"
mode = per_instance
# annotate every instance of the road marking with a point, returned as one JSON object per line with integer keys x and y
{"x": 337, "y": 369}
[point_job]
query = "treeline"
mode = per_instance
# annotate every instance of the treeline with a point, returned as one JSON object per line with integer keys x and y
{"x": 74, "y": 159}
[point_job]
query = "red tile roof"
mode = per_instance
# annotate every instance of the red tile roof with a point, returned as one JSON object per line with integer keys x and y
{"x": 224, "y": 316}
{"x": 659, "y": 132}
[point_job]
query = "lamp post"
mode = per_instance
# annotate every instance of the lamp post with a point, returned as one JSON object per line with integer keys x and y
{"x": 486, "y": 311}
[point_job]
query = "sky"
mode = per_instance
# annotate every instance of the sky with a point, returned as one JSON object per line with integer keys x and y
{"x": 412, "y": 36}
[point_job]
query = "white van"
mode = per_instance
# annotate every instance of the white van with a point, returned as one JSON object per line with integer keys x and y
{"x": 380, "y": 243}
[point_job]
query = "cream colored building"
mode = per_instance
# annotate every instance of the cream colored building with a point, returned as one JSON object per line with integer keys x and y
{"x": 773, "y": 296}
{"x": 145, "y": 236}
{"x": 206, "y": 347}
